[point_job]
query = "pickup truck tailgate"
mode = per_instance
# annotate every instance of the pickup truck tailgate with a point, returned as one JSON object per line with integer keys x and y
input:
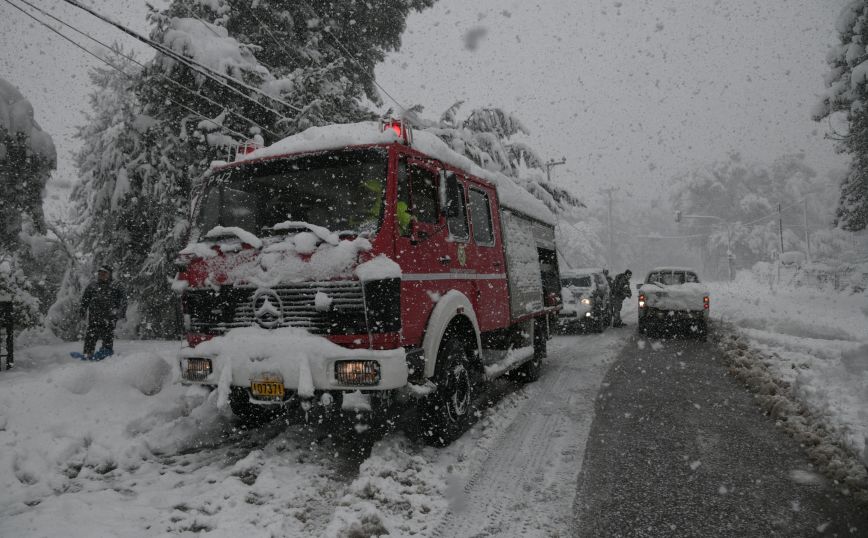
{"x": 681, "y": 297}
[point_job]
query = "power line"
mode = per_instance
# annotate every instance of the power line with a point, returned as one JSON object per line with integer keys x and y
{"x": 161, "y": 75}
{"x": 192, "y": 64}
{"x": 349, "y": 56}
{"x": 116, "y": 68}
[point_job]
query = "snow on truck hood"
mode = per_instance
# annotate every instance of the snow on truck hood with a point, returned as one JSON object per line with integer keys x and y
{"x": 315, "y": 254}
{"x": 339, "y": 136}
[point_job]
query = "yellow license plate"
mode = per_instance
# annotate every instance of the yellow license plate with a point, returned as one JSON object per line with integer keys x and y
{"x": 270, "y": 389}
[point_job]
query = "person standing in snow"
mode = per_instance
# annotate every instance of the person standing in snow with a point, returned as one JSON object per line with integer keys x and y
{"x": 620, "y": 291}
{"x": 609, "y": 307}
{"x": 103, "y": 303}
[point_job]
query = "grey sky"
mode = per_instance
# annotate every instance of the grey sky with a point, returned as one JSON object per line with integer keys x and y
{"x": 629, "y": 92}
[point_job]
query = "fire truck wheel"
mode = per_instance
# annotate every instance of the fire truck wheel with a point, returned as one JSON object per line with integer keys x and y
{"x": 446, "y": 412}
{"x": 251, "y": 414}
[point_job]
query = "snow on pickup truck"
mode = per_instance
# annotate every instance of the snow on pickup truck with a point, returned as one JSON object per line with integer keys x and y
{"x": 673, "y": 296}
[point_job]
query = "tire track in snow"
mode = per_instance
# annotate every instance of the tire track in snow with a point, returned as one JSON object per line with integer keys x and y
{"x": 526, "y": 483}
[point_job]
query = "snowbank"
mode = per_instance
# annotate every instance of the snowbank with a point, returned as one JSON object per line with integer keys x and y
{"x": 813, "y": 343}
{"x": 63, "y": 420}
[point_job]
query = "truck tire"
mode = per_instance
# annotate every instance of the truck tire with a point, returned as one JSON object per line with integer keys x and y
{"x": 446, "y": 413}
{"x": 531, "y": 370}
{"x": 599, "y": 323}
{"x": 251, "y": 414}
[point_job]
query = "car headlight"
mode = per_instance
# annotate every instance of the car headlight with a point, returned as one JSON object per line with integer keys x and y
{"x": 586, "y": 301}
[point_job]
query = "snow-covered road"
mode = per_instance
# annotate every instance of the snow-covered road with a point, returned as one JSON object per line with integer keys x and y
{"x": 118, "y": 449}
{"x": 526, "y": 481}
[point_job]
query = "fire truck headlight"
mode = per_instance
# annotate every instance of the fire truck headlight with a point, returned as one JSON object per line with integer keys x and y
{"x": 195, "y": 369}
{"x": 356, "y": 372}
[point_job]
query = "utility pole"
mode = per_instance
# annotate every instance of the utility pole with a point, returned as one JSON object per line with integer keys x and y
{"x": 729, "y": 253}
{"x": 611, "y": 255}
{"x": 807, "y": 234}
{"x": 781, "y": 227}
{"x": 551, "y": 164}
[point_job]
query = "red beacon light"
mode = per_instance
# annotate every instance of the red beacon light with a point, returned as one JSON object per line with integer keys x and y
{"x": 399, "y": 127}
{"x": 248, "y": 146}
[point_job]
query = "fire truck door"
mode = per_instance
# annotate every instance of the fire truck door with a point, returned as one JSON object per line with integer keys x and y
{"x": 422, "y": 247}
{"x": 485, "y": 255}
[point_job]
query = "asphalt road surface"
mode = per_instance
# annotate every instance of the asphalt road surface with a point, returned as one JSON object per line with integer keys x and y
{"x": 678, "y": 448}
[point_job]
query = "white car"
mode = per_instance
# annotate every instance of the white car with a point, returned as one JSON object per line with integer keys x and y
{"x": 673, "y": 296}
{"x": 586, "y": 303}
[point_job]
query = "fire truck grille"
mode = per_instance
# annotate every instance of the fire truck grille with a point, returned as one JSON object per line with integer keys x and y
{"x": 339, "y": 309}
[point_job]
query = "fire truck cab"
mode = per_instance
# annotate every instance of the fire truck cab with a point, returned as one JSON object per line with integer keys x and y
{"x": 365, "y": 259}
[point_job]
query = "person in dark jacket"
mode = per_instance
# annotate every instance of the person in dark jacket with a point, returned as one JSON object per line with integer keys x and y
{"x": 620, "y": 291}
{"x": 103, "y": 303}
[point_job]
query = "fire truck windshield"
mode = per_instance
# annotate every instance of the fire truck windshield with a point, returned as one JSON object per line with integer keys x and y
{"x": 342, "y": 191}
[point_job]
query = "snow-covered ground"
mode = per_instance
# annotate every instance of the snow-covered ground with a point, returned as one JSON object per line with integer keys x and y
{"x": 814, "y": 340}
{"x": 117, "y": 448}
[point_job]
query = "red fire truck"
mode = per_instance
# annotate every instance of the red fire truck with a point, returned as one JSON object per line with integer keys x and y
{"x": 364, "y": 262}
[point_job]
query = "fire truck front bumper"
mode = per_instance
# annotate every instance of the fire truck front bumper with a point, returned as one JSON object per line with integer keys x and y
{"x": 300, "y": 374}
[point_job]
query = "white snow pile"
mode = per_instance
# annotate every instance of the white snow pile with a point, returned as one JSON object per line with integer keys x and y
{"x": 806, "y": 352}
{"x": 378, "y": 268}
{"x": 118, "y": 448}
{"x": 341, "y": 136}
{"x": 64, "y": 422}
{"x": 16, "y": 117}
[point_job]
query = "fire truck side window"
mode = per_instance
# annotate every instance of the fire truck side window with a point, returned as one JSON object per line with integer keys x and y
{"x": 458, "y": 227}
{"x": 423, "y": 193}
{"x": 480, "y": 212}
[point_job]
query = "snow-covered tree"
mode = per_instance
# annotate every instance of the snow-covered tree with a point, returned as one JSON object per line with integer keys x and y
{"x": 27, "y": 157}
{"x": 846, "y": 96}
{"x": 281, "y": 66}
{"x": 489, "y": 137}
{"x": 745, "y": 197}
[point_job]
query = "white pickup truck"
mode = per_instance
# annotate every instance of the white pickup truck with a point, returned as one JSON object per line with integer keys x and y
{"x": 673, "y": 296}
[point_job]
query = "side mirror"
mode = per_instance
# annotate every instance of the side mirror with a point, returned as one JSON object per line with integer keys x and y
{"x": 638, "y": 286}
{"x": 441, "y": 190}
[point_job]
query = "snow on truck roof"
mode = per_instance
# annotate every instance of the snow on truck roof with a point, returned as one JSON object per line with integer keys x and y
{"x": 339, "y": 136}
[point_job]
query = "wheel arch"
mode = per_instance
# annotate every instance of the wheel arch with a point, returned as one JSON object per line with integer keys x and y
{"x": 453, "y": 311}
